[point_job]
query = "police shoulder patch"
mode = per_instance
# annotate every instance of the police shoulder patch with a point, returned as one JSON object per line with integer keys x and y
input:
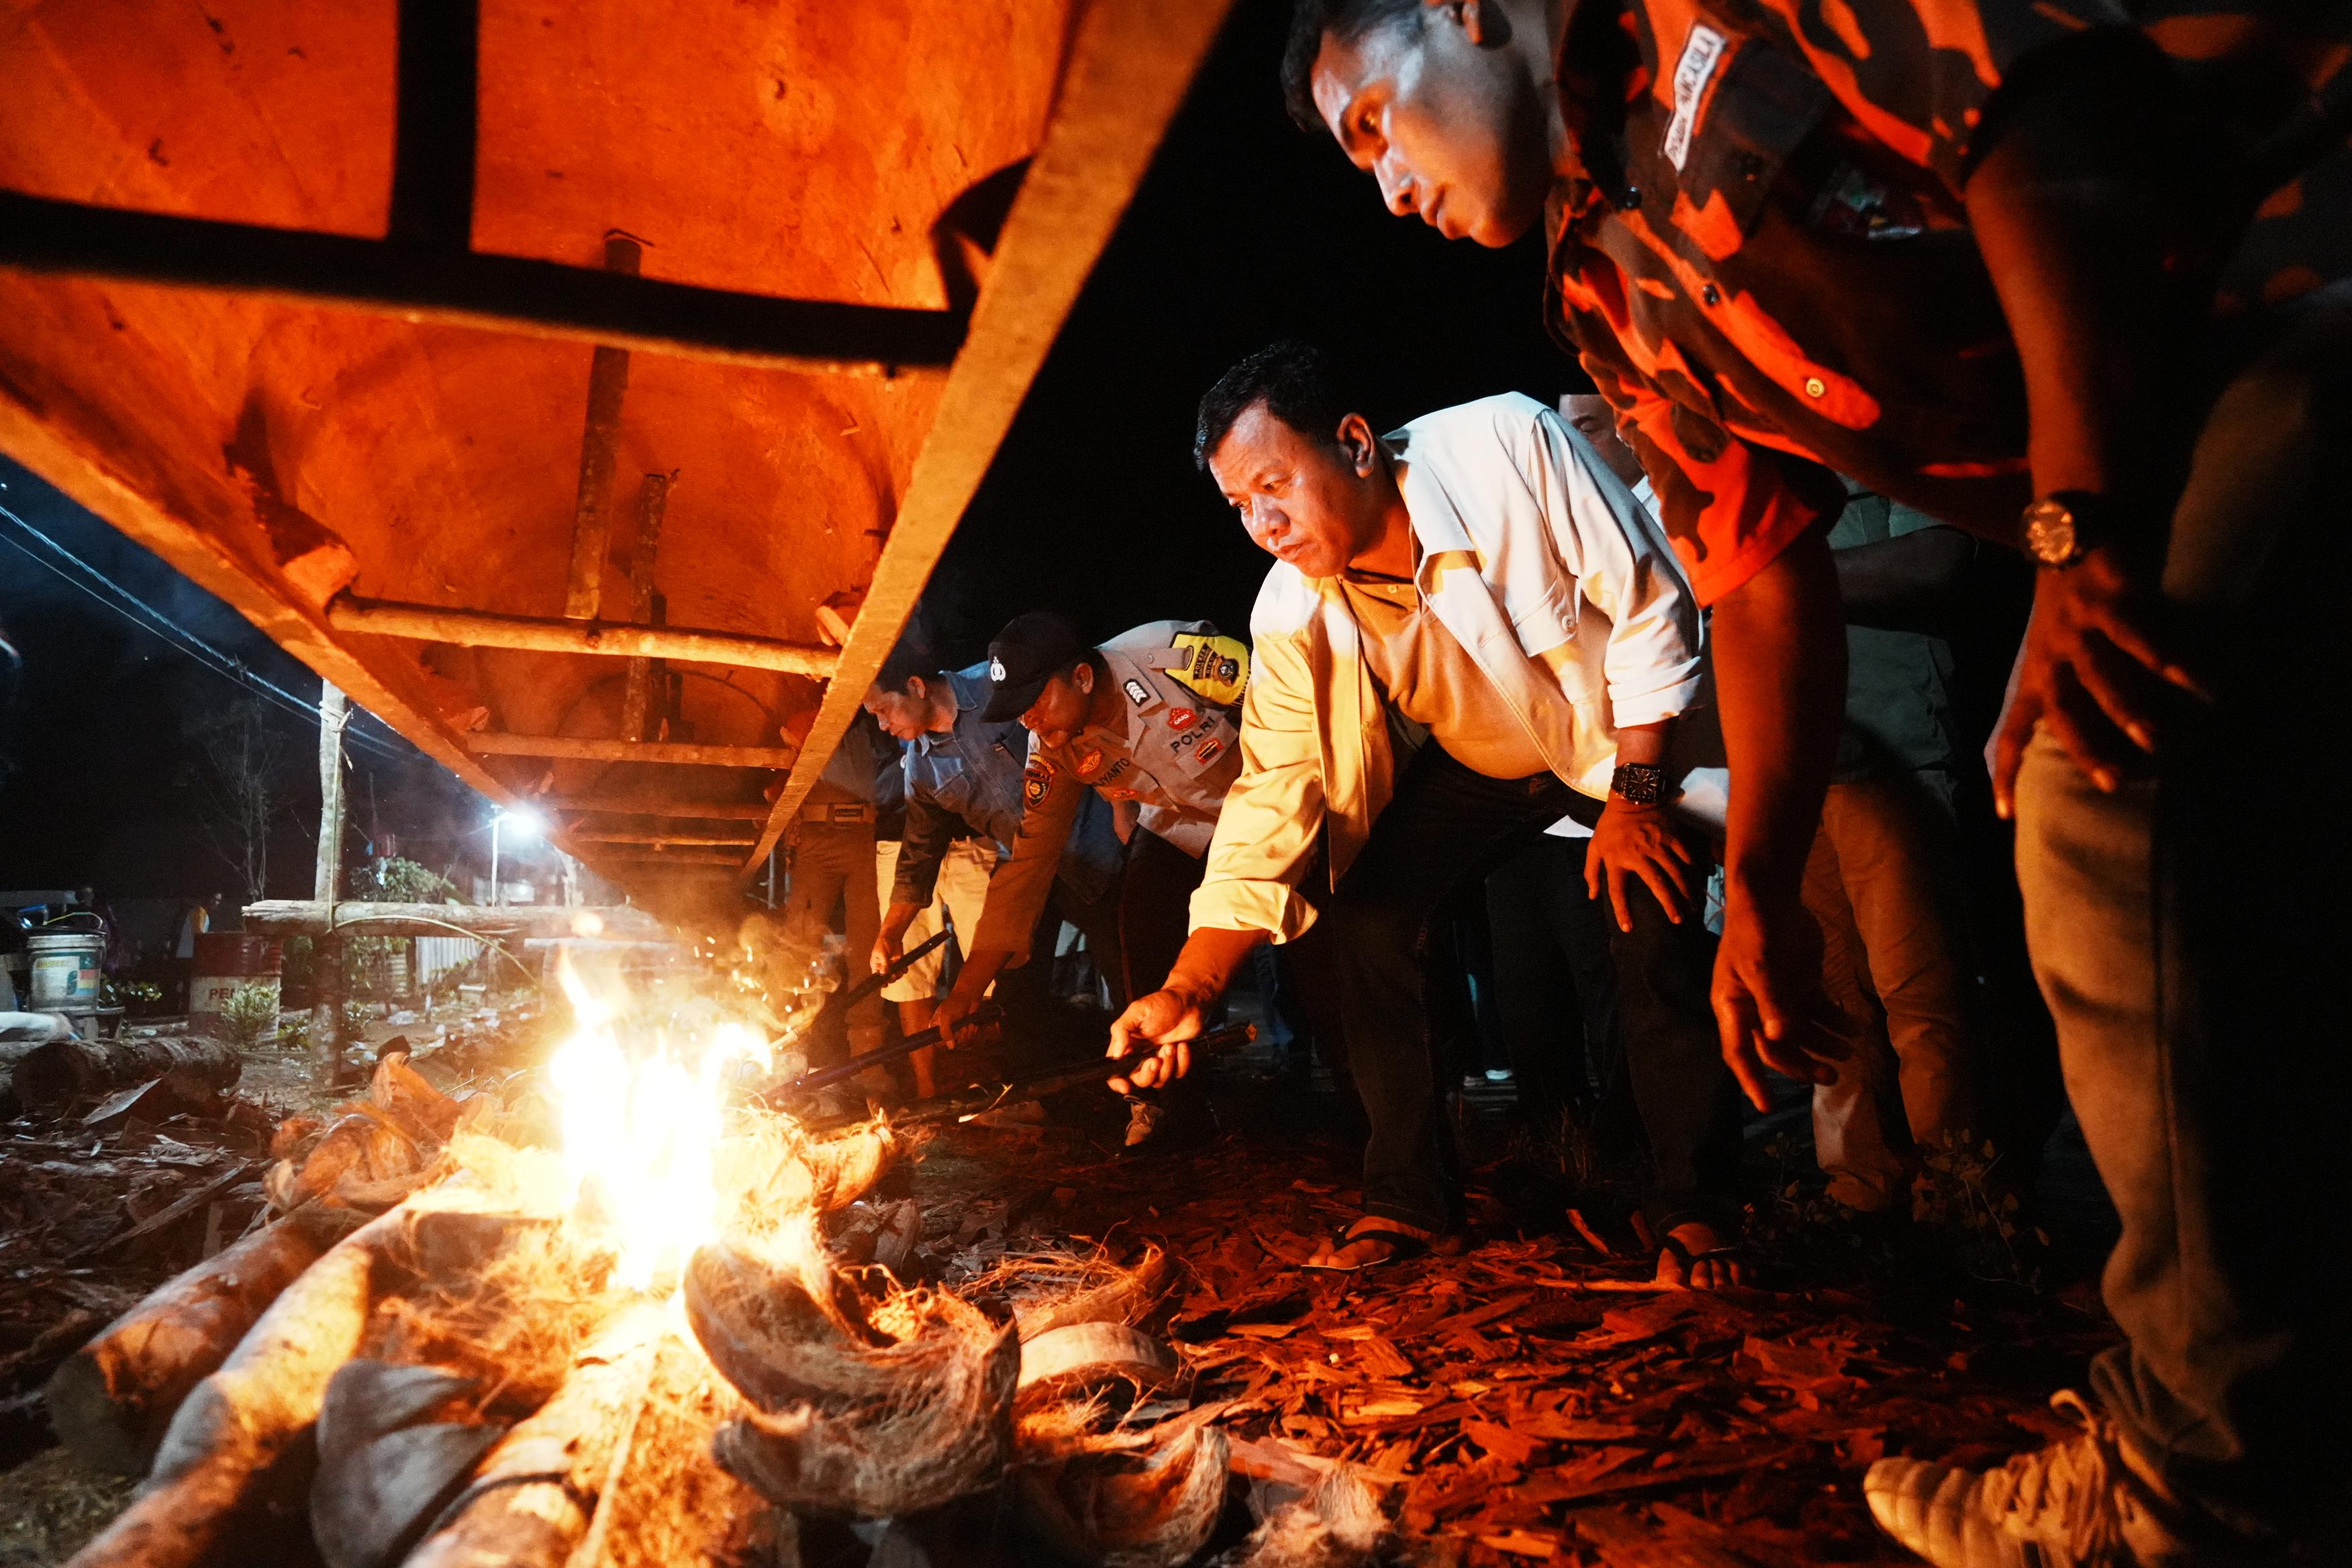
{"x": 1037, "y": 780}
{"x": 1137, "y": 692}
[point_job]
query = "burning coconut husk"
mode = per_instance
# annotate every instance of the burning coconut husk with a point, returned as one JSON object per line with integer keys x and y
{"x": 496, "y": 1312}
{"x": 855, "y": 1405}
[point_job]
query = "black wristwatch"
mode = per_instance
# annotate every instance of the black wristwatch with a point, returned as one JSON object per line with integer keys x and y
{"x": 2060, "y": 527}
{"x": 1640, "y": 783}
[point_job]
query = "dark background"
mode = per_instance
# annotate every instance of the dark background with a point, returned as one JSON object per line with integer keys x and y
{"x": 1246, "y": 229}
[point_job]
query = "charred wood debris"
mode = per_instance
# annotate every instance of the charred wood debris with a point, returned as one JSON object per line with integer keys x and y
{"x": 1023, "y": 1349}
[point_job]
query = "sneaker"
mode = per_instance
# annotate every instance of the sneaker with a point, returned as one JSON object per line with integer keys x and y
{"x": 2078, "y": 1504}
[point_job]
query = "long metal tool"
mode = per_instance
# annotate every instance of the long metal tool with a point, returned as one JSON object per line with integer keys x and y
{"x": 824, "y": 1077}
{"x": 907, "y": 960}
{"x": 965, "y": 1104}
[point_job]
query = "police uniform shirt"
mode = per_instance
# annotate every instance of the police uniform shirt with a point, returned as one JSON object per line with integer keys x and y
{"x": 1172, "y": 747}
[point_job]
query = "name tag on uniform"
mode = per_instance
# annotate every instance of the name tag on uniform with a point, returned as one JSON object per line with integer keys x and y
{"x": 1703, "y": 51}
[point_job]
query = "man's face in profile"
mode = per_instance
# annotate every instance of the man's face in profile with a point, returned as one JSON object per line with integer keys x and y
{"x": 1302, "y": 500}
{"x": 1440, "y": 110}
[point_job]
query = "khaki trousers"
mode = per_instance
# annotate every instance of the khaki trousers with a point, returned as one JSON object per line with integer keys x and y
{"x": 1883, "y": 882}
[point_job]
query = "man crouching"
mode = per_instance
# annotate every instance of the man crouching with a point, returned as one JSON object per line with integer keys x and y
{"x": 1473, "y": 631}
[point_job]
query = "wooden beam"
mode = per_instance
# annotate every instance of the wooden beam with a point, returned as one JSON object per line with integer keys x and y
{"x": 647, "y": 835}
{"x": 655, "y": 805}
{"x": 608, "y": 384}
{"x": 487, "y": 628}
{"x": 309, "y": 917}
{"x": 489, "y": 294}
{"x": 636, "y": 700}
{"x": 700, "y": 860}
{"x": 1130, "y": 66}
{"x": 577, "y": 748}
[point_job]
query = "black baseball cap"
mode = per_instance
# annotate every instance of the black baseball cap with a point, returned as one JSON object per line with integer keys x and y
{"x": 1031, "y": 650}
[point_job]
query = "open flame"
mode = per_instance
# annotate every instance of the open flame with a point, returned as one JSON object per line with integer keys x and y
{"x": 641, "y": 1127}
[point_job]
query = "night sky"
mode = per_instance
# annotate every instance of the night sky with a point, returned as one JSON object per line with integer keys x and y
{"x": 1246, "y": 230}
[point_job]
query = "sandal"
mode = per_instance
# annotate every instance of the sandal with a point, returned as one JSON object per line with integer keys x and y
{"x": 1403, "y": 1246}
{"x": 1733, "y": 1254}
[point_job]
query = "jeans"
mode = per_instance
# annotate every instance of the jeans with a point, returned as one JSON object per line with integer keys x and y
{"x": 1445, "y": 828}
{"x": 1883, "y": 881}
{"x": 2189, "y": 933}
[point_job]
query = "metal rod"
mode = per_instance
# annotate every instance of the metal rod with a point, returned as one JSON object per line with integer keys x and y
{"x": 822, "y": 1078}
{"x": 494, "y": 293}
{"x": 608, "y": 382}
{"x": 579, "y": 749}
{"x": 653, "y": 504}
{"x": 487, "y": 628}
{"x": 432, "y": 141}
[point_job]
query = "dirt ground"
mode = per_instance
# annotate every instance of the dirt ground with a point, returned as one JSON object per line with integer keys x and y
{"x": 1536, "y": 1397}
{"x": 1533, "y": 1397}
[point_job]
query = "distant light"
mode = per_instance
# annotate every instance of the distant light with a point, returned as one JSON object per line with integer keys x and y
{"x": 523, "y": 823}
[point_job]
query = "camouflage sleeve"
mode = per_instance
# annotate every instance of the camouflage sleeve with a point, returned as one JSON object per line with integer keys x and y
{"x": 1728, "y": 505}
{"x": 1017, "y": 893}
{"x": 1916, "y": 74}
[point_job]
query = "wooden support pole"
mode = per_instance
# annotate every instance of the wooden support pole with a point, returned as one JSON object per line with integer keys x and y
{"x": 608, "y": 382}
{"x": 680, "y": 753}
{"x": 653, "y": 502}
{"x": 486, "y": 628}
{"x": 327, "y": 957}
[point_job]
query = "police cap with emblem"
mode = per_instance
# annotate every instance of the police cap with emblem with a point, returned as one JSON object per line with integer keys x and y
{"x": 1031, "y": 650}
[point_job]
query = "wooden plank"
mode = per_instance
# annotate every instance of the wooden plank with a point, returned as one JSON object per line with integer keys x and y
{"x": 578, "y": 748}
{"x": 1130, "y": 68}
{"x": 486, "y": 628}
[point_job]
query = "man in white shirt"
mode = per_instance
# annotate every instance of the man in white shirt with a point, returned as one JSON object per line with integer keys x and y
{"x": 1472, "y": 631}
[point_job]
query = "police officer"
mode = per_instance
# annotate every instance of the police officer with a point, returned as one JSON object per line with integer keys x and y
{"x": 1149, "y": 721}
{"x": 964, "y": 778}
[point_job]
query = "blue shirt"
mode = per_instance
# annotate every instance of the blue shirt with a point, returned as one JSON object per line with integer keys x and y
{"x": 966, "y": 782}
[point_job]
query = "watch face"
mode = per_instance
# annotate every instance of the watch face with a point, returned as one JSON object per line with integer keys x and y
{"x": 2050, "y": 532}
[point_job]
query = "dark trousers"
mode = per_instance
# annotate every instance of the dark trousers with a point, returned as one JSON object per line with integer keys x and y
{"x": 1445, "y": 828}
{"x": 1556, "y": 988}
{"x": 2189, "y": 931}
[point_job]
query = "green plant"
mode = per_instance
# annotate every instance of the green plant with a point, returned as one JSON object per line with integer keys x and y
{"x": 250, "y": 1014}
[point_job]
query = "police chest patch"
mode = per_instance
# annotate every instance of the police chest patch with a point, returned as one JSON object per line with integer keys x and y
{"x": 1137, "y": 692}
{"x": 1180, "y": 719}
{"x": 1089, "y": 763}
{"x": 1037, "y": 781}
{"x": 1208, "y": 752}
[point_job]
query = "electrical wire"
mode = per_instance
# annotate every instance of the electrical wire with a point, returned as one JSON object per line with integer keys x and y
{"x": 129, "y": 606}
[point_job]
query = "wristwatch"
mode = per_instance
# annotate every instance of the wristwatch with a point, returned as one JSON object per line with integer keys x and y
{"x": 2060, "y": 527}
{"x": 1640, "y": 783}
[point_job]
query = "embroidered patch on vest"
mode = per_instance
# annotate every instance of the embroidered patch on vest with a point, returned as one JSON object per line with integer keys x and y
{"x": 1703, "y": 51}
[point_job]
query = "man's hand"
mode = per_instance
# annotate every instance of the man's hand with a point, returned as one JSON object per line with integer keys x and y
{"x": 956, "y": 1006}
{"x": 1767, "y": 997}
{"x": 1164, "y": 1019}
{"x": 890, "y": 942}
{"x": 1638, "y": 841}
{"x": 2092, "y": 670}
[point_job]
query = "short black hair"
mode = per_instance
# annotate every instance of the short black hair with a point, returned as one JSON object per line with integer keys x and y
{"x": 912, "y": 659}
{"x": 1295, "y": 380}
{"x": 1310, "y": 22}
